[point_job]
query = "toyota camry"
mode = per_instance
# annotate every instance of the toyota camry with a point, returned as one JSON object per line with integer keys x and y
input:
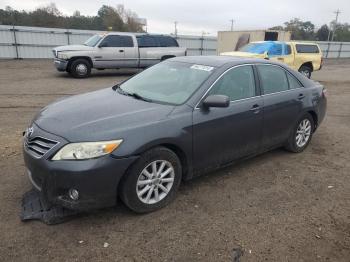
{"x": 179, "y": 119}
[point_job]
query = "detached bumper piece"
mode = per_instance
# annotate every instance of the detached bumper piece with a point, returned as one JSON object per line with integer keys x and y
{"x": 35, "y": 207}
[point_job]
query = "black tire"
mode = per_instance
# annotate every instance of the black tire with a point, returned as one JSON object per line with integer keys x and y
{"x": 292, "y": 145}
{"x": 128, "y": 185}
{"x": 166, "y": 57}
{"x": 75, "y": 68}
{"x": 306, "y": 71}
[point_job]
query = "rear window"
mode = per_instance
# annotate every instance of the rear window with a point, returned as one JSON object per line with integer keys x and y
{"x": 167, "y": 41}
{"x": 307, "y": 48}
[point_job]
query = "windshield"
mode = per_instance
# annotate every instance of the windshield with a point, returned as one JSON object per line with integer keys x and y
{"x": 92, "y": 41}
{"x": 168, "y": 82}
{"x": 256, "y": 48}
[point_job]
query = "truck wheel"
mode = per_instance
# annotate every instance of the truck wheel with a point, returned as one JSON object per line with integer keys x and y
{"x": 306, "y": 71}
{"x": 166, "y": 57}
{"x": 80, "y": 68}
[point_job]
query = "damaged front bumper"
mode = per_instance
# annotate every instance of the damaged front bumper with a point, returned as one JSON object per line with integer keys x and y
{"x": 95, "y": 180}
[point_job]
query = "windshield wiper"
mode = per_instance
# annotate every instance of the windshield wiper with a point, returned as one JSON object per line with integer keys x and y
{"x": 134, "y": 95}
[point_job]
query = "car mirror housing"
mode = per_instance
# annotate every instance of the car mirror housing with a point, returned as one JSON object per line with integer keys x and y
{"x": 266, "y": 55}
{"x": 216, "y": 101}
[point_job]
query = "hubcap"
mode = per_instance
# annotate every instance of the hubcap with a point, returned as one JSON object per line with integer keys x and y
{"x": 155, "y": 181}
{"x": 306, "y": 73}
{"x": 303, "y": 133}
{"x": 81, "y": 69}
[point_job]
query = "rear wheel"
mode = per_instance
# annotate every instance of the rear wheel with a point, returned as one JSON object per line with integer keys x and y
{"x": 80, "y": 68}
{"x": 301, "y": 135}
{"x": 306, "y": 71}
{"x": 152, "y": 182}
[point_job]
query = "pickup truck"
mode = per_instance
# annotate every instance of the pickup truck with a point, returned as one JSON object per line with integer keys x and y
{"x": 304, "y": 57}
{"x": 115, "y": 50}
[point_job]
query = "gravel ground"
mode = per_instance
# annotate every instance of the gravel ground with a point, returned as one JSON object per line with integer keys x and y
{"x": 276, "y": 207}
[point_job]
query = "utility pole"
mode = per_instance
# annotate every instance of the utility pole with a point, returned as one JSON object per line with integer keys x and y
{"x": 336, "y": 23}
{"x": 175, "y": 23}
{"x": 232, "y": 21}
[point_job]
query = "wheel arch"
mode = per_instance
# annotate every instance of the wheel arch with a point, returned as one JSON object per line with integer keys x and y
{"x": 70, "y": 61}
{"x": 314, "y": 118}
{"x": 307, "y": 64}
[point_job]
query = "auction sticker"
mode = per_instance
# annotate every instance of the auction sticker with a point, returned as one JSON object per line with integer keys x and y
{"x": 202, "y": 67}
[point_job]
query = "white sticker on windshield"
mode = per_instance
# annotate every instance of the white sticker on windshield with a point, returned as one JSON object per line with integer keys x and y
{"x": 202, "y": 67}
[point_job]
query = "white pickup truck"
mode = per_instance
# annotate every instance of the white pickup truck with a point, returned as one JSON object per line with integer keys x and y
{"x": 115, "y": 50}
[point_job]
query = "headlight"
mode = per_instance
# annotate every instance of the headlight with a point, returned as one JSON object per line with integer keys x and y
{"x": 86, "y": 150}
{"x": 62, "y": 56}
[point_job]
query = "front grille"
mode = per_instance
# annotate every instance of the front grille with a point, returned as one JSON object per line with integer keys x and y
{"x": 39, "y": 146}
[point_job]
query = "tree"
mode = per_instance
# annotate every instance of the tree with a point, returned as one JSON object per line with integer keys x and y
{"x": 108, "y": 18}
{"x": 111, "y": 18}
{"x": 322, "y": 33}
{"x": 300, "y": 30}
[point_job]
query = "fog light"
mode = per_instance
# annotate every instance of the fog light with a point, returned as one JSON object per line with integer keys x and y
{"x": 73, "y": 194}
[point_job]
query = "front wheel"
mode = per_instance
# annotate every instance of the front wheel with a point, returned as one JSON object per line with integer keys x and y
{"x": 152, "y": 182}
{"x": 80, "y": 68}
{"x": 301, "y": 135}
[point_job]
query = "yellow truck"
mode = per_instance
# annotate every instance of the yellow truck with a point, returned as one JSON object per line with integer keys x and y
{"x": 301, "y": 56}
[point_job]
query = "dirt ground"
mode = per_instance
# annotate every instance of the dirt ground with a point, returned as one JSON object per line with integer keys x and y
{"x": 276, "y": 207}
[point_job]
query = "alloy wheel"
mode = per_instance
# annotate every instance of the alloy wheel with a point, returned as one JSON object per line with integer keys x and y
{"x": 303, "y": 133}
{"x": 155, "y": 181}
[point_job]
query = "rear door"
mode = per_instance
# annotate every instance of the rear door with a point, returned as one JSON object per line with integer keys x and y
{"x": 221, "y": 135}
{"x": 287, "y": 56}
{"x": 116, "y": 51}
{"x": 283, "y": 99}
{"x": 148, "y": 49}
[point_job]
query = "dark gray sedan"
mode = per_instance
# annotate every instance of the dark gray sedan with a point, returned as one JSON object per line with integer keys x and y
{"x": 172, "y": 122}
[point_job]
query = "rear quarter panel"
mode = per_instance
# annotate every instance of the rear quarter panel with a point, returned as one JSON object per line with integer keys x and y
{"x": 152, "y": 55}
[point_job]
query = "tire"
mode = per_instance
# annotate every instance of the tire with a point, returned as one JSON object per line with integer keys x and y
{"x": 166, "y": 57}
{"x": 292, "y": 144}
{"x": 80, "y": 68}
{"x": 129, "y": 190}
{"x": 306, "y": 71}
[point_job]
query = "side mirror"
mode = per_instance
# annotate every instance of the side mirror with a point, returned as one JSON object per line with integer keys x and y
{"x": 266, "y": 55}
{"x": 216, "y": 101}
{"x": 103, "y": 44}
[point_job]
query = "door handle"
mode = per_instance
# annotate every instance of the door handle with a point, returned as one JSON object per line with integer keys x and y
{"x": 121, "y": 51}
{"x": 301, "y": 96}
{"x": 255, "y": 108}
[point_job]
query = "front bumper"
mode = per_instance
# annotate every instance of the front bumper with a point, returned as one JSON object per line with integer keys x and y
{"x": 96, "y": 179}
{"x": 61, "y": 65}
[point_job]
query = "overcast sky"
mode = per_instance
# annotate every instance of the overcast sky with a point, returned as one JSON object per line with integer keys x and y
{"x": 194, "y": 17}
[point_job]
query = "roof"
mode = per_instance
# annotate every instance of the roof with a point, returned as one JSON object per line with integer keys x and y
{"x": 215, "y": 61}
{"x": 287, "y": 42}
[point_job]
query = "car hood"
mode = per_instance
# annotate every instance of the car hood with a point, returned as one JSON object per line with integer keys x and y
{"x": 243, "y": 54}
{"x": 99, "y": 115}
{"x": 67, "y": 48}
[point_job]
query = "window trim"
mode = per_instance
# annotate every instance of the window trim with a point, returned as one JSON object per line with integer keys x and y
{"x": 257, "y": 92}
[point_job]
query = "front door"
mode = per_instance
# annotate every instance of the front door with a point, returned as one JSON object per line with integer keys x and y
{"x": 221, "y": 135}
{"x": 116, "y": 51}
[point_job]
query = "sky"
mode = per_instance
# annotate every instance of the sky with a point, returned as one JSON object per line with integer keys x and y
{"x": 208, "y": 17}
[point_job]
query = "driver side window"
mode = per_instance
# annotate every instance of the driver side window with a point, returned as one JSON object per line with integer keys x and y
{"x": 237, "y": 83}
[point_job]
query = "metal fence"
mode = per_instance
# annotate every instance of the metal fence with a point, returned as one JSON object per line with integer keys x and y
{"x": 37, "y": 42}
